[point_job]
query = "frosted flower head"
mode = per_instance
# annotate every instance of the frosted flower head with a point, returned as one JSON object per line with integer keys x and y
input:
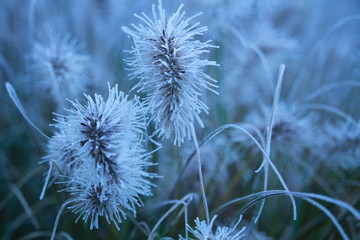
{"x": 292, "y": 130}
{"x": 341, "y": 145}
{"x": 95, "y": 196}
{"x": 204, "y": 231}
{"x": 59, "y": 64}
{"x": 102, "y": 130}
{"x": 167, "y": 60}
{"x": 100, "y": 145}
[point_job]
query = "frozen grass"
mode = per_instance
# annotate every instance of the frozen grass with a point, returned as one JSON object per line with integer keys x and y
{"x": 299, "y": 127}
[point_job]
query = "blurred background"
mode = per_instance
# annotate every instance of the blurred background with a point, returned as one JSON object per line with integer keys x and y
{"x": 54, "y": 50}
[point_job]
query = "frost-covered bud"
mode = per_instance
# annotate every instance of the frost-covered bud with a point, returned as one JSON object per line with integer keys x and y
{"x": 59, "y": 65}
{"x": 167, "y": 60}
{"x": 341, "y": 145}
{"x": 293, "y": 129}
{"x": 204, "y": 231}
{"x": 100, "y": 147}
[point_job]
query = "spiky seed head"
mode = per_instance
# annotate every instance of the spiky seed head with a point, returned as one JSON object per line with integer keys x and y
{"x": 106, "y": 138}
{"x": 293, "y": 129}
{"x": 95, "y": 196}
{"x": 59, "y": 65}
{"x": 341, "y": 145}
{"x": 204, "y": 231}
{"x": 166, "y": 57}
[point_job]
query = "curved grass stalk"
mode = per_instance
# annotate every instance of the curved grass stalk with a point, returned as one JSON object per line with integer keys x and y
{"x": 58, "y": 219}
{"x": 46, "y": 181}
{"x": 18, "y": 185}
{"x": 272, "y": 193}
{"x": 307, "y": 59}
{"x": 14, "y": 97}
{"x": 257, "y": 51}
{"x": 8, "y": 69}
{"x": 31, "y": 18}
{"x": 265, "y": 164}
{"x": 183, "y": 201}
{"x": 309, "y": 197}
{"x": 144, "y": 228}
{"x": 25, "y": 205}
{"x": 202, "y": 185}
{"x": 36, "y": 235}
{"x": 330, "y": 109}
{"x": 23, "y": 217}
{"x": 244, "y": 131}
{"x": 330, "y": 87}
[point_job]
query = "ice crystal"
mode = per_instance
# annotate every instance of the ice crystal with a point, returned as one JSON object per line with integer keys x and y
{"x": 167, "y": 59}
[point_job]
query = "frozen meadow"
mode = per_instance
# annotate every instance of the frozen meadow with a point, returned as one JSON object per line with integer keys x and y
{"x": 186, "y": 120}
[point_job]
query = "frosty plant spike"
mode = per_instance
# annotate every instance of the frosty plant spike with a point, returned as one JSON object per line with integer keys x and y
{"x": 167, "y": 59}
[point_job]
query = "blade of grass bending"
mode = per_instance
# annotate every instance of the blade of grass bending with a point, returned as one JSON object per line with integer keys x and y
{"x": 25, "y": 205}
{"x": 201, "y": 178}
{"x": 14, "y": 97}
{"x": 178, "y": 202}
{"x": 268, "y": 141}
{"x": 307, "y": 59}
{"x": 46, "y": 181}
{"x": 58, "y": 219}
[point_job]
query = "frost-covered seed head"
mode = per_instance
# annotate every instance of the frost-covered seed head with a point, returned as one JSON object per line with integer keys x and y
{"x": 94, "y": 197}
{"x": 59, "y": 64}
{"x": 167, "y": 59}
{"x": 103, "y": 131}
{"x": 204, "y": 231}
{"x": 100, "y": 147}
{"x": 341, "y": 145}
{"x": 292, "y": 129}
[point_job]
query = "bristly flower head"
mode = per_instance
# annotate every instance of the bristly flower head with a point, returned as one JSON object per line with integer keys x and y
{"x": 341, "y": 145}
{"x": 100, "y": 147}
{"x": 204, "y": 231}
{"x": 59, "y": 64}
{"x": 293, "y": 129}
{"x": 167, "y": 59}
{"x": 95, "y": 196}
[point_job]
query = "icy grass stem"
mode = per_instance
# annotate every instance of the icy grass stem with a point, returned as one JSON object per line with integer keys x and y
{"x": 144, "y": 228}
{"x": 46, "y": 181}
{"x": 183, "y": 201}
{"x": 309, "y": 197}
{"x": 18, "y": 185}
{"x": 14, "y": 97}
{"x": 265, "y": 164}
{"x": 36, "y": 235}
{"x": 257, "y": 51}
{"x": 25, "y": 205}
{"x": 41, "y": 234}
{"x": 247, "y": 133}
{"x": 31, "y": 18}
{"x": 331, "y": 109}
{"x": 330, "y": 87}
{"x": 202, "y": 185}
{"x": 21, "y": 219}
{"x": 6, "y": 66}
{"x": 58, "y": 219}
